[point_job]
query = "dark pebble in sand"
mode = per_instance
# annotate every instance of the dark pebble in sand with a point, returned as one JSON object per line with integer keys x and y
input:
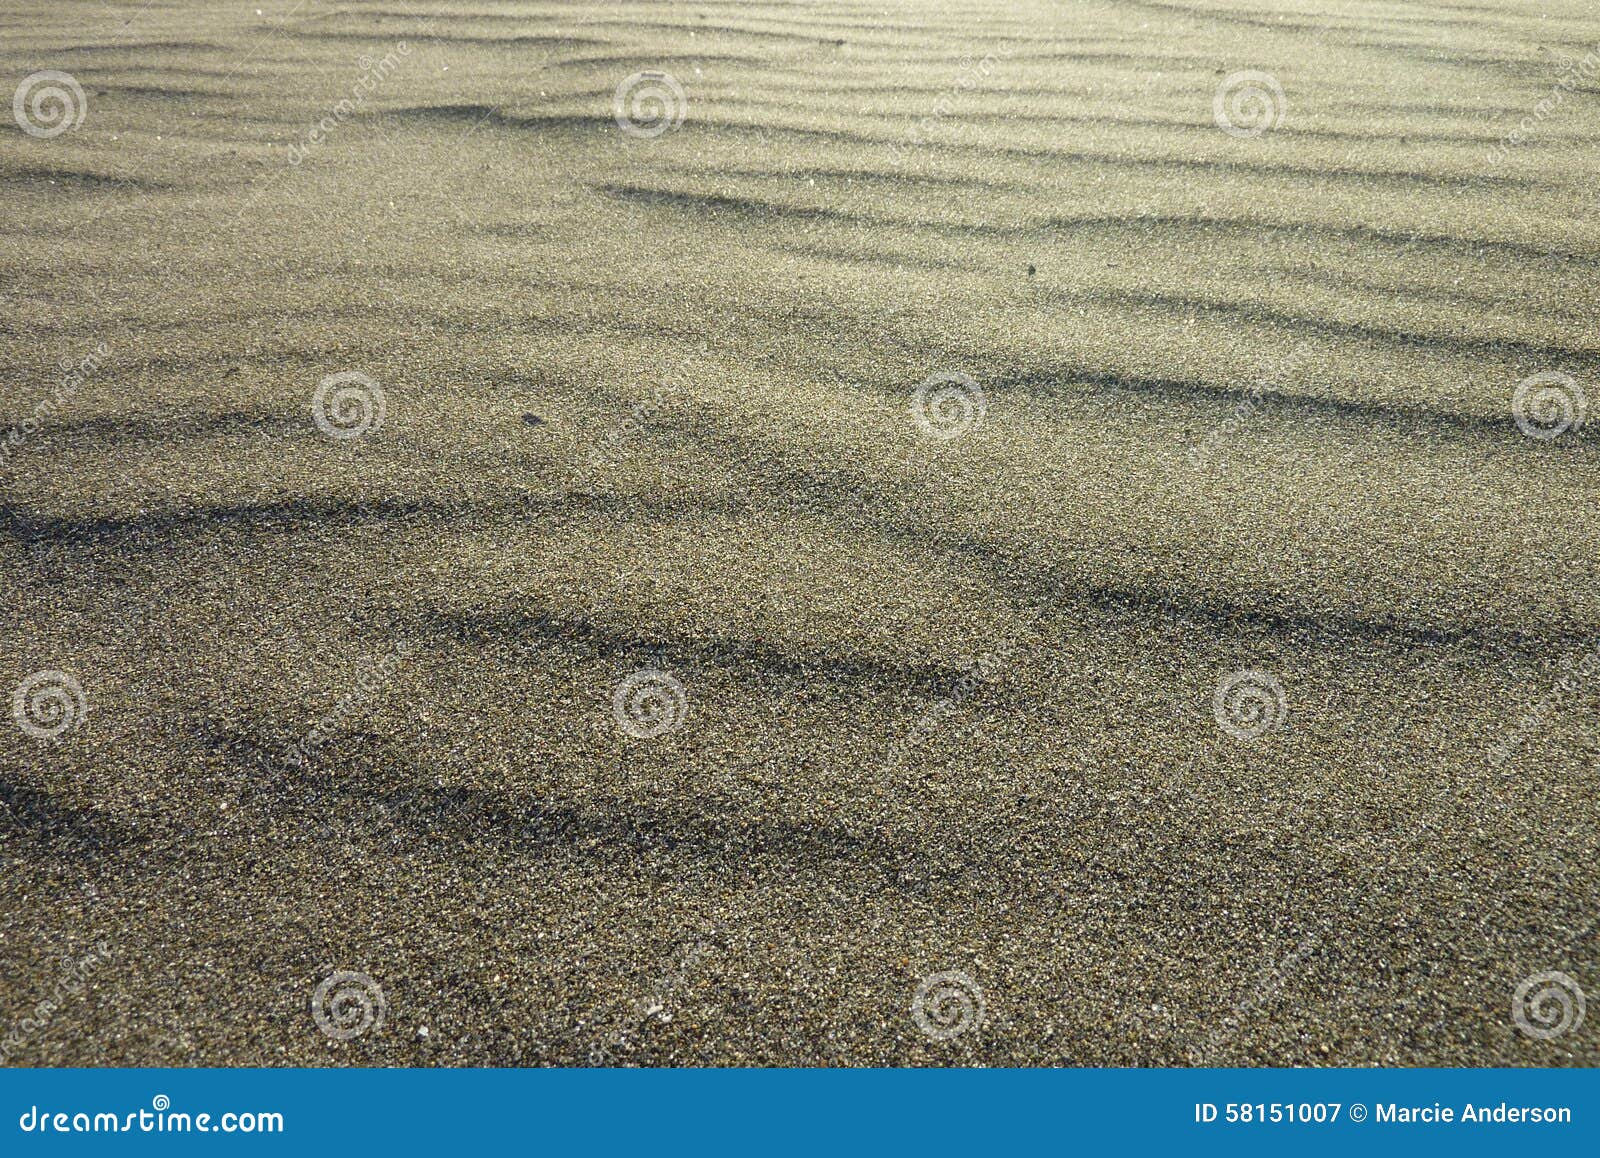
{"x": 532, "y": 420}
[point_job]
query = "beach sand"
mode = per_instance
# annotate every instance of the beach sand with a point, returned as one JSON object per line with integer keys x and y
{"x": 899, "y": 534}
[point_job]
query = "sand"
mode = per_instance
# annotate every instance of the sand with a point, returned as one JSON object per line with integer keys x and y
{"x": 926, "y": 764}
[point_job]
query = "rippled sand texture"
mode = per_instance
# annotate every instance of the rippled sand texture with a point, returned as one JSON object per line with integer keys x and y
{"x": 949, "y": 705}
